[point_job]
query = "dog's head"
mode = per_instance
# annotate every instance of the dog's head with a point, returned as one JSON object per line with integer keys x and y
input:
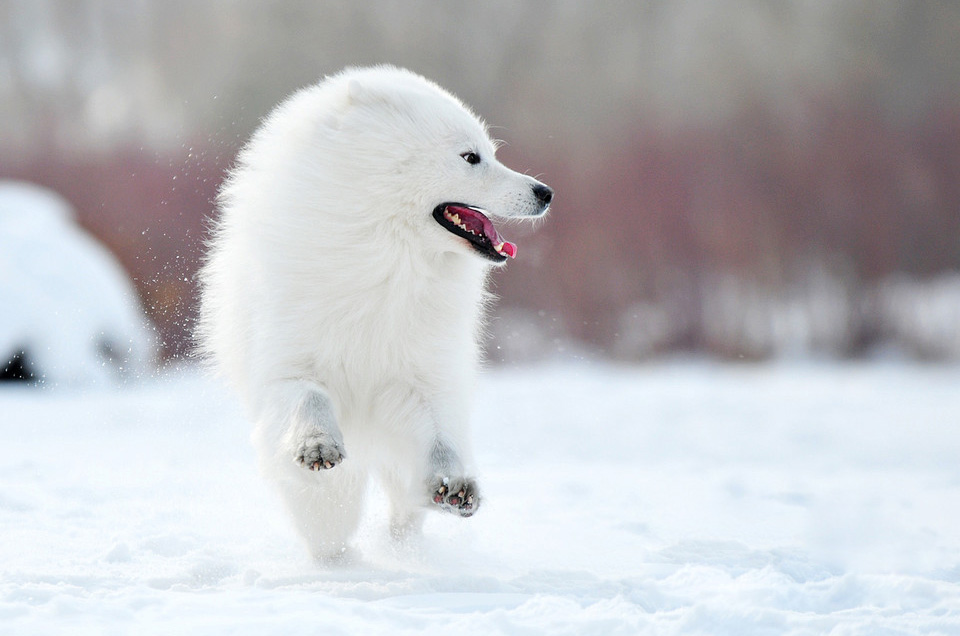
{"x": 424, "y": 149}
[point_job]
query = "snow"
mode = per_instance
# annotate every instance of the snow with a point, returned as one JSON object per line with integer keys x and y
{"x": 924, "y": 316}
{"x": 677, "y": 498}
{"x": 65, "y": 299}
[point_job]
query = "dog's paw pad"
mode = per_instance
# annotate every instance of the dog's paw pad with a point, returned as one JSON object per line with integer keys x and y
{"x": 458, "y": 496}
{"x": 319, "y": 452}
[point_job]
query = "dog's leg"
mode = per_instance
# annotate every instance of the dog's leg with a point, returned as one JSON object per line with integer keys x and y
{"x": 326, "y": 509}
{"x": 315, "y": 436}
{"x": 406, "y": 512}
{"x": 299, "y": 441}
{"x": 449, "y": 487}
{"x": 443, "y": 479}
{"x": 427, "y": 441}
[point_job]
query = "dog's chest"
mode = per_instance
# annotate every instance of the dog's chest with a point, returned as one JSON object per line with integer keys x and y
{"x": 405, "y": 324}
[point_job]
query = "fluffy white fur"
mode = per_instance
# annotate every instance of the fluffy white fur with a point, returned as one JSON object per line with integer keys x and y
{"x": 344, "y": 314}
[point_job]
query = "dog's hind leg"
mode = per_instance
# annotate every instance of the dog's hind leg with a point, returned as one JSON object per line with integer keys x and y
{"x": 406, "y": 511}
{"x": 326, "y": 509}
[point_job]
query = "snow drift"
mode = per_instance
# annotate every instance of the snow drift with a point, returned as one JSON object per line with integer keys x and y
{"x": 68, "y": 312}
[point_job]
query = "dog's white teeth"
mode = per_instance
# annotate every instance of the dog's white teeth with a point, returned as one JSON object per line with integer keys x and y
{"x": 498, "y": 247}
{"x": 455, "y": 219}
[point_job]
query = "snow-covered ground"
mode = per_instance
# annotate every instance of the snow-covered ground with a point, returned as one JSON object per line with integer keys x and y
{"x": 681, "y": 498}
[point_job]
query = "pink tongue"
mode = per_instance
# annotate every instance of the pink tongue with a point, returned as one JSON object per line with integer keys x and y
{"x": 477, "y": 221}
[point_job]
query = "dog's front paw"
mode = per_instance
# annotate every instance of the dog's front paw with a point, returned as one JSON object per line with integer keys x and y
{"x": 460, "y": 496}
{"x": 319, "y": 452}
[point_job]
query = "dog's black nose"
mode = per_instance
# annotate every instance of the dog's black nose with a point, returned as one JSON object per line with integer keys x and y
{"x": 543, "y": 193}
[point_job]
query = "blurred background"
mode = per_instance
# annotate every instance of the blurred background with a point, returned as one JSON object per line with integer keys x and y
{"x": 735, "y": 178}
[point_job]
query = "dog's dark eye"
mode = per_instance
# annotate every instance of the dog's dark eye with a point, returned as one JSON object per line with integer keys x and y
{"x": 471, "y": 157}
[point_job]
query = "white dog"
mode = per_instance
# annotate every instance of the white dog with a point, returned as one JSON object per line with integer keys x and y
{"x": 343, "y": 294}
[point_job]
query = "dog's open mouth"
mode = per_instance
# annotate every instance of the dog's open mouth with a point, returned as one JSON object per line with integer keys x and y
{"x": 472, "y": 224}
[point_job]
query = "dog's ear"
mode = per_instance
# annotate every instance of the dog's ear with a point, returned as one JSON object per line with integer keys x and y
{"x": 355, "y": 91}
{"x": 361, "y": 94}
{"x": 358, "y": 93}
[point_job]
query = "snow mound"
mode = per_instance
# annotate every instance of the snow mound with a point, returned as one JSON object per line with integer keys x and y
{"x": 68, "y": 312}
